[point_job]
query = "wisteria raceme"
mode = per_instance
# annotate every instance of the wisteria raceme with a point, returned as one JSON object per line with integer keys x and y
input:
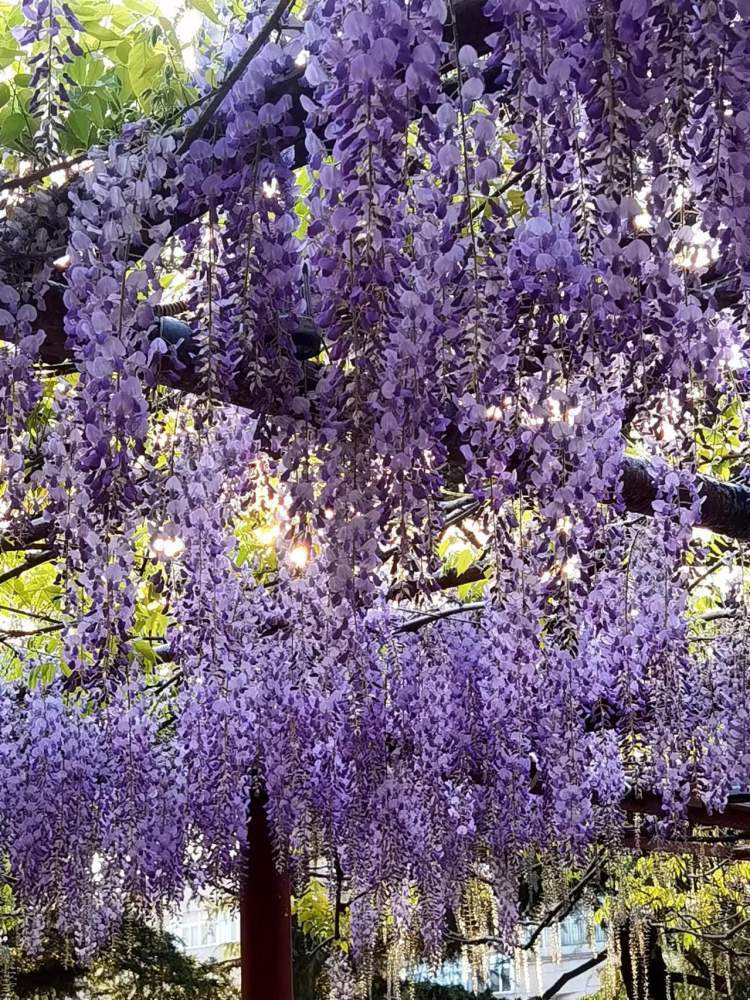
{"x": 20, "y": 393}
{"x": 525, "y": 266}
{"x": 52, "y": 28}
{"x": 247, "y": 296}
{"x": 97, "y": 449}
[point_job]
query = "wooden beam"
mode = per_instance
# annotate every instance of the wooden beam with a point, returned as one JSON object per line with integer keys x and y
{"x": 265, "y": 917}
{"x": 725, "y": 506}
{"x": 734, "y": 817}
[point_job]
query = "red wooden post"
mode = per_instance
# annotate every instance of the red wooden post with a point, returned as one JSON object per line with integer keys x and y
{"x": 265, "y": 918}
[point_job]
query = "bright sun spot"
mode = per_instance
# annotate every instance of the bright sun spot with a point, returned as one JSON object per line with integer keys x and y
{"x": 299, "y": 555}
{"x": 695, "y": 249}
{"x": 166, "y": 544}
{"x": 271, "y": 188}
{"x": 188, "y": 26}
{"x": 170, "y": 8}
{"x": 571, "y": 568}
{"x": 267, "y": 534}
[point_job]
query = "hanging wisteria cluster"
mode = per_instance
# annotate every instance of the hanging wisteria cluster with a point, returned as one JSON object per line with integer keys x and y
{"x": 524, "y": 264}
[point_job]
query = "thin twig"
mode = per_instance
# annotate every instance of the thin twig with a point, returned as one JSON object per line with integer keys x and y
{"x": 19, "y": 633}
{"x": 159, "y": 686}
{"x": 29, "y": 614}
{"x": 562, "y": 909}
{"x": 711, "y": 937}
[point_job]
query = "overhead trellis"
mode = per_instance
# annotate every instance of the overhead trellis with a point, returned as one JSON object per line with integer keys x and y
{"x": 507, "y": 296}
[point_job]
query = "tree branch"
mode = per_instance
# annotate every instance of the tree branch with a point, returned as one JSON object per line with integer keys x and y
{"x": 25, "y": 613}
{"x": 27, "y": 180}
{"x": 715, "y": 938}
{"x": 36, "y": 531}
{"x": 197, "y": 128}
{"x": 725, "y": 507}
{"x": 709, "y": 980}
{"x": 688, "y": 979}
{"x": 560, "y": 911}
{"x": 433, "y": 616}
{"x": 734, "y": 816}
{"x": 558, "y": 984}
{"x": 20, "y": 633}
{"x": 30, "y": 563}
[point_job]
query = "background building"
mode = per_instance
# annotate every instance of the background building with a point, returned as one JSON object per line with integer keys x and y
{"x": 559, "y": 950}
{"x": 211, "y": 934}
{"x": 207, "y": 933}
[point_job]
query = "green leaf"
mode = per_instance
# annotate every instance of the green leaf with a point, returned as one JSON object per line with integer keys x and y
{"x": 123, "y": 51}
{"x": 143, "y": 68}
{"x": 145, "y": 651}
{"x": 463, "y": 559}
{"x": 12, "y": 127}
{"x": 97, "y": 110}
{"x": 206, "y": 8}
{"x": 93, "y": 68}
{"x": 7, "y": 56}
{"x": 141, "y": 8}
{"x": 79, "y": 123}
{"x": 98, "y": 31}
{"x": 4, "y": 94}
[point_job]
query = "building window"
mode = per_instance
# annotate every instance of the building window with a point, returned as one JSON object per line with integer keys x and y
{"x": 573, "y": 931}
{"x": 501, "y": 977}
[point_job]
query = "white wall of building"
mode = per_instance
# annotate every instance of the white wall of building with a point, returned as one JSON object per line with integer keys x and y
{"x": 205, "y": 932}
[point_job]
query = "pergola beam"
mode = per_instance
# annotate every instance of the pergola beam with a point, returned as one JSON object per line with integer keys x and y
{"x": 725, "y": 507}
{"x": 734, "y": 817}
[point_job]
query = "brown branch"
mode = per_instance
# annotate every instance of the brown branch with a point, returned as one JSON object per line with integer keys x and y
{"x": 688, "y": 979}
{"x": 30, "y": 563}
{"x": 704, "y": 847}
{"x": 433, "y": 616}
{"x": 20, "y": 633}
{"x": 709, "y": 980}
{"x": 200, "y": 123}
{"x": 715, "y": 938}
{"x": 27, "y": 180}
{"x": 563, "y": 908}
{"x": 725, "y": 507}
{"x": 36, "y": 531}
{"x": 29, "y": 614}
{"x": 476, "y": 573}
{"x": 734, "y": 817}
{"x": 489, "y": 939}
{"x": 338, "y": 909}
{"x": 566, "y": 977}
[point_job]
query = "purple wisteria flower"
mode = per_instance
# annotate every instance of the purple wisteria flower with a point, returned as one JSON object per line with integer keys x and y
{"x": 526, "y": 266}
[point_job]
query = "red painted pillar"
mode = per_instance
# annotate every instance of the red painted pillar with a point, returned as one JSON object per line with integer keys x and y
{"x": 265, "y": 918}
